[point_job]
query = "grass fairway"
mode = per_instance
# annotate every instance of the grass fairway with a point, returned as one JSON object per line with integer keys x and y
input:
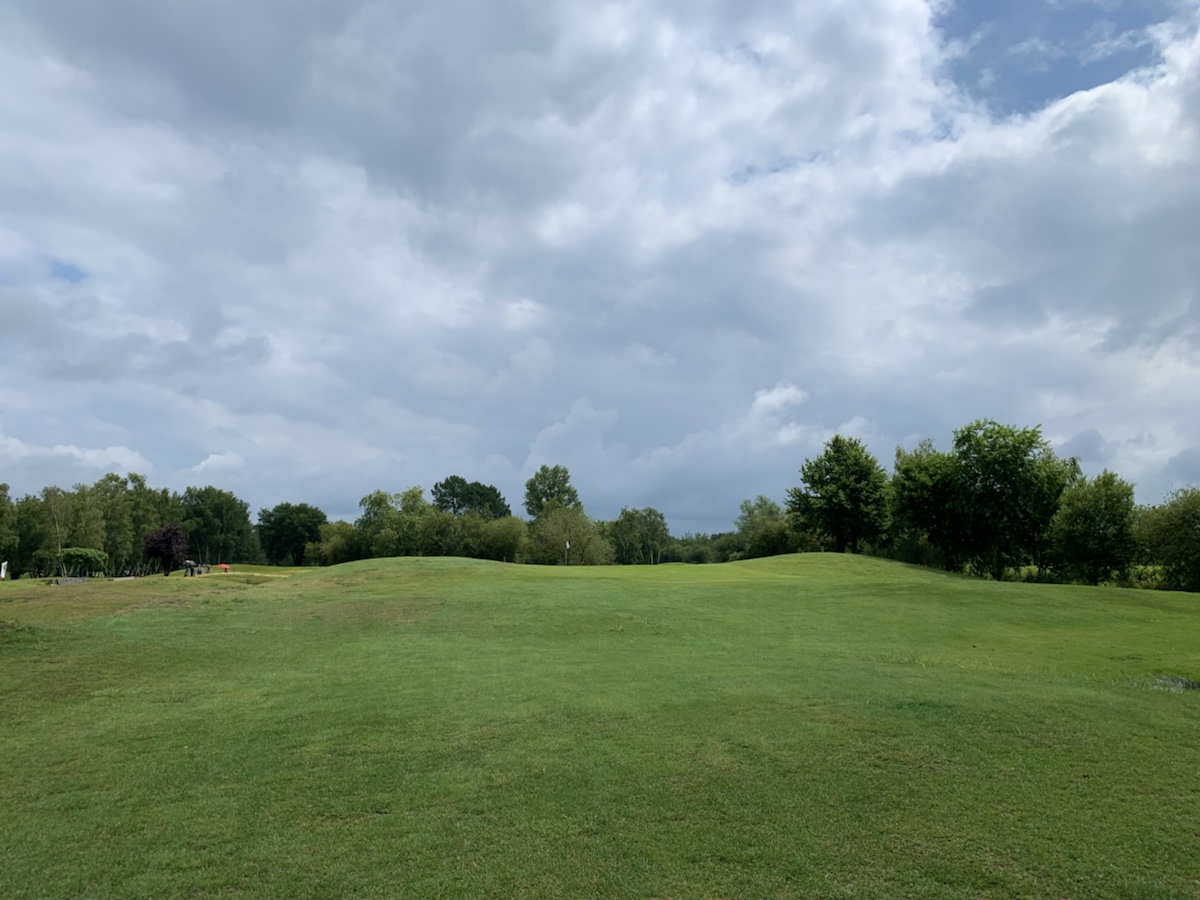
{"x": 804, "y": 726}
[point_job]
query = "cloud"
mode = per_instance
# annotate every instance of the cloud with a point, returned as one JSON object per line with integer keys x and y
{"x": 673, "y": 246}
{"x": 216, "y": 464}
{"x": 29, "y": 467}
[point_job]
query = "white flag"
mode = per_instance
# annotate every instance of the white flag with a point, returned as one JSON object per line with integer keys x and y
{"x": 568, "y": 545}
{"x": 3, "y": 570}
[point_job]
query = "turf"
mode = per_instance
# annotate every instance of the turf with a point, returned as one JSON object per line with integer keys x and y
{"x": 805, "y": 726}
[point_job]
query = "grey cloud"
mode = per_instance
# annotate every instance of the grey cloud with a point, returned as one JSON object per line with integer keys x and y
{"x": 26, "y": 318}
{"x": 360, "y": 246}
{"x": 1089, "y": 446}
{"x": 1183, "y": 469}
{"x": 184, "y": 60}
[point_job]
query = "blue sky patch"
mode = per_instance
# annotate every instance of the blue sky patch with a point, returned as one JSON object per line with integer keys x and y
{"x": 1022, "y": 55}
{"x": 65, "y": 271}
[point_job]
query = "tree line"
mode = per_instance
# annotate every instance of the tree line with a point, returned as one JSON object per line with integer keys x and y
{"x": 1000, "y": 503}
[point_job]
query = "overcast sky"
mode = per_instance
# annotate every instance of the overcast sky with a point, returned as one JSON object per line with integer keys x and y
{"x": 305, "y": 250}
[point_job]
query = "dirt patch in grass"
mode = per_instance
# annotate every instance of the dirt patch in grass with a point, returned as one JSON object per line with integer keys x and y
{"x": 1175, "y": 683}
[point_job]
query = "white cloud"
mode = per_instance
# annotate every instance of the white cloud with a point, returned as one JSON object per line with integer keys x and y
{"x": 29, "y": 467}
{"x": 218, "y": 464}
{"x": 643, "y": 355}
{"x": 321, "y": 258}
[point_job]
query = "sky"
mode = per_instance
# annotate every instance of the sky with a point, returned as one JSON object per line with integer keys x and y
{"x": 304, "y": 251}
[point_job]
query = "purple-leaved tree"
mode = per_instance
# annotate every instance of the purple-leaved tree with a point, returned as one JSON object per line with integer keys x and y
{"x": 168, "y": 545}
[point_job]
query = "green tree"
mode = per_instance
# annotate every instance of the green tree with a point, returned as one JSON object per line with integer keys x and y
{"x": 753, "y": 514}
{"x": 33, "y": 535}
{"x": 57, "y": 512}
{"x": 550, "y": 487}
{"x": 441, "y": 533}
{"x": 639, "y": 536}
{"x": 374, "y": 523}
{"x": 86, "y": 509}
{"x": 402, "y": 524}
{"x": 167, "y": 505}
{"x": 84, "y": 561}
{"x": 122, "y": 547}
{"x": 8, "y": 533}
{"x": 413, "y": 535}
{"x": 145, "y": 508}
{"x": 286, "y": 530}
{"x": 695, "y": 548}
{"x": 505, "y": 539}
{"x": 726, "y": 546}
{"x": 1173, "y": 537}
{"x": 217, "y": 524}
{"x": 1008, "y": 484}
{"x": 1091, "y": 534}
{"x": 564, "y": 535}
{"x": 339, "y": 543}
{"x": 845, "y": 494}
{"x": 929, "y": 518}
{"x": 461, "y": 497}
{"x": 452, "y": 495}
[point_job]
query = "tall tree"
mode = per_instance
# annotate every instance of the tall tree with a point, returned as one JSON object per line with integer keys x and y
{"x": 56, "y": 509}
{"x": 8, "y": 533}
{"x": 845, "y": 494}
{"x": 1092, "y": 532}
{"x": 1008, "y": 484}
{"x": 373, "y": 525}
{"x": 452, "y": 495}
{"x": 287, "y": 529}
{"x": 217, "y": 524}
{"x": 461, "y": 497}
{"x": 122, "y": 547}
{"x": 1174, "y": 539}
{"x": 928, "y": 515}
{"x": 86, "y": 508}
{"x": 639, "y": 536}
{"x": 145, "y": 506}
{"x": 762, "y": 530}
{"x": 33, "y": 537}
{"x": 550, "y": 487}
{"x": 340, "y": 542}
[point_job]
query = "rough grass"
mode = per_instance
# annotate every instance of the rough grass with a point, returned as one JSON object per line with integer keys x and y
{"x": 803, "y": 726}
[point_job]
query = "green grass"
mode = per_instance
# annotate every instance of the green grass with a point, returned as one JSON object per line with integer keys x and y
{"x": 804, "y": 726}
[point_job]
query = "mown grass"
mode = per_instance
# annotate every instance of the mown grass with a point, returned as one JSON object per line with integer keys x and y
{"x": 804, "y": 726}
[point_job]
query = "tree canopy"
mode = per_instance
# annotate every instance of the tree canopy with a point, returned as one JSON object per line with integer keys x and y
{"x": 286, "y": 530}
{"x": 1007, "y": 484}
{"x": 639, "y": 536}
{"x": 217, "y": 525}
{"x": 1173, "y": 531}
{"x": 1091, "y": 534}
{"x": 564, "y": 535}
{"x": 550, "y": 487}
{"x": 845, "y": 494}
{"x": 460, "y": 497}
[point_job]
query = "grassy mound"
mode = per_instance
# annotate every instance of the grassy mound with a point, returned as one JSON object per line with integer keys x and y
{"x": 812, "y": 725}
